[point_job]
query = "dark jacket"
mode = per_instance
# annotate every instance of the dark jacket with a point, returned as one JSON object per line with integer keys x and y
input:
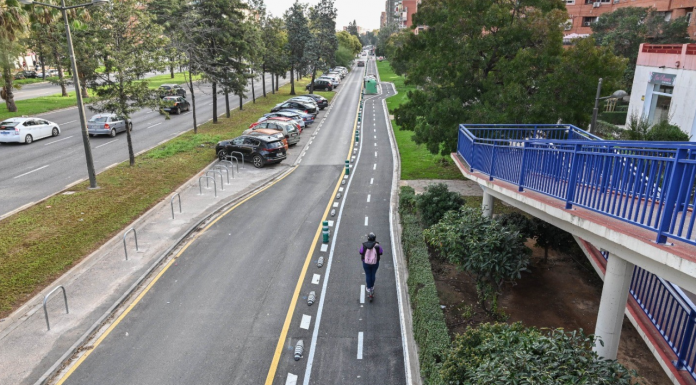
{"x": 369, "y": 245}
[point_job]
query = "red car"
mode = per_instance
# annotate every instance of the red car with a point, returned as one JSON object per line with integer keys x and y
{"x": 280, "y": 118}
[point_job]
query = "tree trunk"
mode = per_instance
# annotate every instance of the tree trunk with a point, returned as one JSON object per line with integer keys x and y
{"x": 227, "y": 103}
{"x": 7, "y": 92}
{"x": 43, "y": 65}
{"x": 311, "y": 84}
{"x": 171, "y": 68}
{"x": 193, "y": 97}
{"x": 273, "y": 84}
{"x": 292, "y": 80}
{"x": 63, "y": 89}
{"x": 278, "y": 80}
{"x": 83, "y": 85}
{"x": 215, "y": 119}
{"x": 263, "y": 79}
{"x": 131, "y": 154}
{"x": 241, "y": 102}
{"x": 253, "y": 91}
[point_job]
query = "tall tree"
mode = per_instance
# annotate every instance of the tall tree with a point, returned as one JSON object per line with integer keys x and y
{"x": 323, "y": 45}
{"x": 169, "y": 14}
{"x": 349, "y": 41}
{"x": 275, "y": 39}
{"x": 353, "y": 29}
{"x": 483, "y": 61}
{"x": 133, "y": 45}
{"x": 383, "y": 38}
{"x": 13, "y": 24}
{"x": 299, "y": 36}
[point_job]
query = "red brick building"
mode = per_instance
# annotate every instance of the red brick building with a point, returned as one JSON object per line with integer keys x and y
{"x": 582, "y": 13}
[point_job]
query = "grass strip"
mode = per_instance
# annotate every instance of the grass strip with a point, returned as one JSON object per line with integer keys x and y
{"x": 416, "y": 161}
{"x": 41, "y": 243}
{"x": 429, "y": 326}
{"x": 21, "y": 82}
{"x": 43, "y": 104}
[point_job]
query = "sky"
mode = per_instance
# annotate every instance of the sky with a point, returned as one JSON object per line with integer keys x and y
{"x": 365, "y": 12}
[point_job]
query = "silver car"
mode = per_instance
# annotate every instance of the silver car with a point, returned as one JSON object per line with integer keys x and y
{"x": 107, "y": 124}
{"x": 289, "y": 130}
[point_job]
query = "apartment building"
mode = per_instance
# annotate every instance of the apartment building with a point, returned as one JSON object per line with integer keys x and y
{"x": 582, "y": 13}
{"x": 401, "y": 12}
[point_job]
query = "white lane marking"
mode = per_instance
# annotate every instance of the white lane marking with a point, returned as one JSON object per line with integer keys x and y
{"x": 360, "y": 345}
{"x": 310, "y": 142}
{"x": 375, "y": 144}
{"x": 316, "y": 278}
{"x": 362, "y": 293}
{"x": 340, "y": 189}
{"x": 102, "y": 145}
{"x": 375, "y": 136}
{"x": 306, "y": 320}
{"x": 34, "y": 170}
{"x": 291, "y": 380}
{"x": 331, "y": 223}
{"x": 372, "y": 180}
{"x": 374, "y": 167}
{"x": 375, "y": 154}
{"x": 335, "y": 204}
{"x": 299, "y": 161}
{"x": 366, "y": 221}
{"x": 154, "y": 125}
{"x": 368, "y": 197}
{"x": 59, "y": 140}
{"x": 149, "y": 112}
{"x": 324, "y": 247}
{"x": 72, "y": 121}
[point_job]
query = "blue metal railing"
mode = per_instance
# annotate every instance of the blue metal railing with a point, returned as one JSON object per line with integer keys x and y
{"x": 648, "y": 184}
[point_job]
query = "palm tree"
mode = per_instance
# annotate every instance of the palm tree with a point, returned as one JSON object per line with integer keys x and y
{"x": 12, "y": 27}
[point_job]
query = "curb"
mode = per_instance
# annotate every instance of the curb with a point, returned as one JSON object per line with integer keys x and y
{"x": 75, "y": 348}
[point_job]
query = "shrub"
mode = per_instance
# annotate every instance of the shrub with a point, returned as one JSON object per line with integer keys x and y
{"x": 549, "y": 236}
{"x": 407, "y": 200}
{"x": 435, "y": 202}
{"x": 513, "y": 354}
{"x": 614, "y": 117}
{"x": 663, "y": 131}
{"x": 518, "y": 222}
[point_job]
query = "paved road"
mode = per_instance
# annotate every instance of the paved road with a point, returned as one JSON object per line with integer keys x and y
{"x": 49, "y": 165}
{"x": 228, "y": 305}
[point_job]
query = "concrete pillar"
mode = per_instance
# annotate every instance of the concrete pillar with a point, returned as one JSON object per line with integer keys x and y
{"x": 617, "y": 281}
{"x": 487, "y": 204}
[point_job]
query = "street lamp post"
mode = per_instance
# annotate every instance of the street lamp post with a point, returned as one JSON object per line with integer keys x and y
{"x": 76, "y": 80}
{"x": 616, "y": 95}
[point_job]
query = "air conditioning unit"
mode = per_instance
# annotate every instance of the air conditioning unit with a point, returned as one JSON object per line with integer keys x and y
{"x": 596, "y": 4}
{"x": 568, "y": 27}
{"x": 616, "y": 1}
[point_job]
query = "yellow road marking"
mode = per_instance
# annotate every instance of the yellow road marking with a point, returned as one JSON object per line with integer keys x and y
{"x": 298, "y": 287}
{"x": 159, "y": 275}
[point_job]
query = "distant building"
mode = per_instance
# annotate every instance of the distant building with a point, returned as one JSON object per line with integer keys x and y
{"x": 664, "y": 85}
{"x": 361, "y": 30}
{"x": 383, "y": 19}
{"x": 582, "y": 13}
{"x": 401, "y": 12}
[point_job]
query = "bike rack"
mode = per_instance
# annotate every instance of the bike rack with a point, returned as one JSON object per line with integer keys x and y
{"x": 237, "y": 152}
{"x": 222, "y": 167}
{"x": 65, "y": 297}
{"x": 171, "y": 203}
{"x": 222, "y": 182}
{"x": 232, "y": 158}
{"x": 135, "y": 234}
{"x": 200, "y": 186}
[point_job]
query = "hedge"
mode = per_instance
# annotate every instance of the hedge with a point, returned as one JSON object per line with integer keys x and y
{"x": 429, "y": 327}
{"x": 615, "y": 117}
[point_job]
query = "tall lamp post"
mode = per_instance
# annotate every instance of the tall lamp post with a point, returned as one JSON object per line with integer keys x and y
{"x": 616, "y": 95}
{"x": 76, "y": 80}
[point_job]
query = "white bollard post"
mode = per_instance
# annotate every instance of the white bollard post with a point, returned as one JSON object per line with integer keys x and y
{"x": 617, "y": 281}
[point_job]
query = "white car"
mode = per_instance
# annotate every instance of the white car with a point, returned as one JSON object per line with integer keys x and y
{"x": 26, "y": 130}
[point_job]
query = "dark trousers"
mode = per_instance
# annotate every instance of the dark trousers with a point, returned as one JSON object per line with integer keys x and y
{"x": 370, "y": 272}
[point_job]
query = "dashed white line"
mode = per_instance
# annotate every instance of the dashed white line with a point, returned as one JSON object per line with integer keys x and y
{"x": 59, "y": 140}
{"x": 34, "y": 170}
{"x": 368, "y": 197}
{"x": 102, "y": 145}
{"x": 324, "y": 247}
{"x": 372, "y": 180}
{"x": 366, "y": 221}
{"x": 72, "y": 121}
{"x": 306, "y": 320}
{"x": 362, "y": 293}
{"x": 331, "y": 223}
{"x": 375, "y": 154}
{"x": 340, "y": 189}
{"x": 375, "y": 144}
{"x": 316, "y": 278}
{"x": 335, "y": 204}
{"x": 374, "y": 167}
{"x": 291, "y": 380}
{"x": 360, "y": 345}
{"x": 154, "y": 125}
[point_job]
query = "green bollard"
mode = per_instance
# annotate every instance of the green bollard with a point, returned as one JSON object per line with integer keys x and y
{"x": 325, "y": 231}
{"x": 347, "y": 167}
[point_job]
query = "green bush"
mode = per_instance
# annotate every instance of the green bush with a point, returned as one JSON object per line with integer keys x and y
{"x": 513, "y": 354}
{"x": 435, "y": 202}
{"x": 517, "y": 222}
{"x": 429, "y": 327}
{"x": 407, "y": 200}
{"x": 549, "y": 236}
{"x": 614, "y": 117}
{"x": 663, "y": 131}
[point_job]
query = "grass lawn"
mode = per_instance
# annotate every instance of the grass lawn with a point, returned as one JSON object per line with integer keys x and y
{"x": 416, "y": 161}
{"x": 45, "y": 104}
{"x": 33, "y": 80}
{"x": 48, "y": 239}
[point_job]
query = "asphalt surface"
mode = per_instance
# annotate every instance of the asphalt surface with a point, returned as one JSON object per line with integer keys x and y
{"x": 49, "y": 165}
{"x": 216, "y": 316}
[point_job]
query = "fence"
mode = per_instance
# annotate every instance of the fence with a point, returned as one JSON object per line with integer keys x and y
{"x": 647, "y": 184}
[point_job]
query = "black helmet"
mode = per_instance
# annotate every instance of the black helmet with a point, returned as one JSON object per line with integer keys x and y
{"x": 371, "y": 237}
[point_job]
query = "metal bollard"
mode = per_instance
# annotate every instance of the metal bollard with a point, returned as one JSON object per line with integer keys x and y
{"x": 347, "y": 167}
{"x": 320, "y": 262}
{"x": 325, "y": 231}
{"x": 299, "y": 350}
{"x": 357, "y": 136}
{"x": 311, "y": 298}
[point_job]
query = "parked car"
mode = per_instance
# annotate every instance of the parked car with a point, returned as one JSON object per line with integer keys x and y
{"x": 308, "y": 109}
{"x": 337, "y": 73}
{"x": 26, "y": 130}
{"x": 279, "y": 119}
{"x": 272, "y": 133}
{"x": 321, "y": 101}
{"x": 175, "y": 104}
{"x": 171, "y": 90}
{"x": 361, "y": 63}
{"x": 259, "y": 149}
{"x": 48, "y": 74}
{"x": 335, "y": 80}
{"x": 19, "y": 75}
{"x": 320, "y": 84}
{"x": 107, "y": 124}
{"x": 28, "y": 74}
{"x": 292, "y": 134}
{"x": 286, "y": 115}
{"x": 307, "y": 117}
{"x": 304, "y": 99}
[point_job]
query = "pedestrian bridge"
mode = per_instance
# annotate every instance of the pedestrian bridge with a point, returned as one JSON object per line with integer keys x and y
{"x": 628, "y": 203}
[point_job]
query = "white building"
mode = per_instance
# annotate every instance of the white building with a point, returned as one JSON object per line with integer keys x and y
{"x": 664, "y": 85}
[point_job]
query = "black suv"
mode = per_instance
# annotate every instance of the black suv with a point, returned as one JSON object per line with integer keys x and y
{"x": 321, "y": 85}
{"x": 321, "y": 101}
{"x": 258, "y": 149}
{"x": 295, "y": 105}
{"x": 171, "y": 90}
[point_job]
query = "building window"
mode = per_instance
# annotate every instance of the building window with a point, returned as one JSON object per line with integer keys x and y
{"x": 570, "y": 2}
{"x": 606, "y": 1}
{"x": 660, "y": 103}
{"x": 587, "y": 21}
{"x": 589, "y": 1}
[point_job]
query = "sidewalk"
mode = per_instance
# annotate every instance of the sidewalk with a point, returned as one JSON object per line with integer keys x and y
{"x": 104, "y": 280}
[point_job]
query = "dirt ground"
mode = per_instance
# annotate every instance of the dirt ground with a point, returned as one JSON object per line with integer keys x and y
{"x": 563, "y": 293}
